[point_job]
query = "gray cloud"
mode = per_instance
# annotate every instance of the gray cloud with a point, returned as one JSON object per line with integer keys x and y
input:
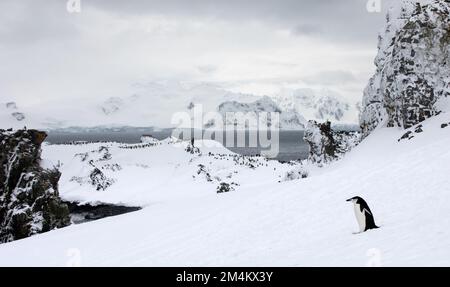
{"x": 308, "y": 30}
{"x": 340, "y": 20}
{"x": 331, "y": 77}
{"x": 207, "y": 69}
{"x": 30, "y": 22}
{"x": 48, "y": 53}
{"x": 335, "y": 20}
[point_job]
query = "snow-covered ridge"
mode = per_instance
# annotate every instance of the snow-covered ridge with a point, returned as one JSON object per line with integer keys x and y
{"x": 154, "y": 105}
{"x": 288, "y": 119}
{"x": 319, "y": 105}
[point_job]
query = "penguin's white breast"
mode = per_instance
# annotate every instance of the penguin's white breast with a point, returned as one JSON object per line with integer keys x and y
{"x": 360, "y": 217}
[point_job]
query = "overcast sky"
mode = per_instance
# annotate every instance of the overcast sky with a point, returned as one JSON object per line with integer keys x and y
{"x": 254, "y": 46}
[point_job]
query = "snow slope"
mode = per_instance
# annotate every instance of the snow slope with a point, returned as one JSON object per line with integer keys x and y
{"x": 145, "y": 174}
{"x": 304, "y": 222}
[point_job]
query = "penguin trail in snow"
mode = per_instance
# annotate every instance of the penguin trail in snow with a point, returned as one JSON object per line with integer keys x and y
{"x": 363, "y": 214}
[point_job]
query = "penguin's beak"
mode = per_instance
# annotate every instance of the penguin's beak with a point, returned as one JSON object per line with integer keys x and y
{"x": 349, "y": 199}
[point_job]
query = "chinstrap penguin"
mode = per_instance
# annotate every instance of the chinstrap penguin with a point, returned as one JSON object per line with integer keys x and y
{"x": 363, "y": 214}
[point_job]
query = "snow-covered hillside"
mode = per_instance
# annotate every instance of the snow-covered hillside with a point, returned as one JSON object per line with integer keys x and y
{"x": 262, "y": 222}
{"x": 156, "y": 171}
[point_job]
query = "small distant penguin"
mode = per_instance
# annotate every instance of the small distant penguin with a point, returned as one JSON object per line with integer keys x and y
{"x": 363, "y": 214}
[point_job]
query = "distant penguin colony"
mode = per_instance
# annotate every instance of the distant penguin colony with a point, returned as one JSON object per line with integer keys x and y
{"x": 363, "y": 214}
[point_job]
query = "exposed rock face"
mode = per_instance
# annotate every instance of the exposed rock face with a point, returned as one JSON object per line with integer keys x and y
{"x": 325, "y": 144}
{"x": 413, "y": 67}
{"x": 29, "y": 199}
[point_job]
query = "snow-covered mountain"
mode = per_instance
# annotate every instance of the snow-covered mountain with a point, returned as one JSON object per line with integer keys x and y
{"x": 319, "y": 105}
{"x": 153, "y": 105}
{"x": 149, "y": 104}
{"x": 413, "y": 67}
{"x": 257, "y": 113}
{"x": 10, "y": 113}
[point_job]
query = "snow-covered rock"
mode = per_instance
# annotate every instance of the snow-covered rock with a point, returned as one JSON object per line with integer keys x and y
{"x": 149, "y": 139}
{"x": 296, "y": 173}
{"x": 258, "y": 113}
{"x": 322, "y": 147}
{"x": 97, "y": 168}
{"x": 29, "y": 198}
{"x": 413, "y": 70}
{"x": 326, "y": 144}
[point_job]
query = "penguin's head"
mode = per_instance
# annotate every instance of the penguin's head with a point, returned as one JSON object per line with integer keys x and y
{"x": 354, "y": 199}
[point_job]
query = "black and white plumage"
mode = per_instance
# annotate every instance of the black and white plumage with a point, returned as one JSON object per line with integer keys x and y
{"x": 363, "y": 214}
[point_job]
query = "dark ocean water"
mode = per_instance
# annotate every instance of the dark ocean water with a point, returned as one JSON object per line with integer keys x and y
{"x": 291, "y": 145}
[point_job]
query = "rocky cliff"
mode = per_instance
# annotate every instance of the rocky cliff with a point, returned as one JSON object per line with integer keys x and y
{"x": 413, "y": 67}
{"x": 326, "y": 144}
{"x": 29, "y": 200}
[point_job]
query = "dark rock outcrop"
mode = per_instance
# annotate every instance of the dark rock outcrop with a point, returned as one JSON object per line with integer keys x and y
{"x": 322, "y": 147}
{"x": 191, "y": 148}
{"x": 326, "y": 144}
{"x": 29, "y": 199}
{"x": 224, "y": 187}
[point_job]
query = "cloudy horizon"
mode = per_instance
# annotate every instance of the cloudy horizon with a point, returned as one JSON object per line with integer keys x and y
{"x": 255, "y": 47}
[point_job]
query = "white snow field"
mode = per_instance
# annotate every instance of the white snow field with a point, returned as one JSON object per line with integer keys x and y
{"x": 303, "y": 222}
